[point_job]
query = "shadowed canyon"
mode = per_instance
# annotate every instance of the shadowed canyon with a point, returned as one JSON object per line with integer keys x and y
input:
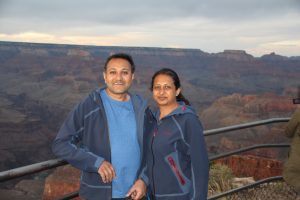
{"x": 40, "y": 83}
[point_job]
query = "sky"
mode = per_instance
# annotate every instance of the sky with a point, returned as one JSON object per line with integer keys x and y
{"x": 257, "y": 26}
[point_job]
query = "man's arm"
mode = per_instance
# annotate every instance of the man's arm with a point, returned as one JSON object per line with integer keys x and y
{"x": 107, "y": 172}
{"x": 65, "y": 145}
{"x": 293, "y": 124}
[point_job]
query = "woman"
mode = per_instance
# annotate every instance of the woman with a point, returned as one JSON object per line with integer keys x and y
{"x": 177, "y": 159}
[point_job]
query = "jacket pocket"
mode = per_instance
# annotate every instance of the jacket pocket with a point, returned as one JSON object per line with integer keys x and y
{"x": 173, "y": 162}
{"x": 93, "y": 180}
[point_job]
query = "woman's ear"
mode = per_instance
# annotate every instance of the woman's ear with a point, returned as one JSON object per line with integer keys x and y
{"x": 178, "y": 91}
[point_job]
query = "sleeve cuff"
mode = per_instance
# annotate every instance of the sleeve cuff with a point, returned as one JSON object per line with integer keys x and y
{"x": 98, "y": 162}
{"x": 144, "y": 177}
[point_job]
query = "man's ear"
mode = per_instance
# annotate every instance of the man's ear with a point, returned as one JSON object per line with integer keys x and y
{"x": 104, "y": 76}
{"x": 132, "y": 76}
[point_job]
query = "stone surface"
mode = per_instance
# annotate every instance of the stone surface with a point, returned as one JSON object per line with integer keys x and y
{"x": 63, "y": 181}
{"x": 252, "y": 166}
{"x": 239, "y": 182}
{"x": 24, "y": 190}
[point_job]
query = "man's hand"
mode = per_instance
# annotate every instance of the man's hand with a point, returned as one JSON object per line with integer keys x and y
{"x": 106, "y": 172}
{"x": 138, "y": 190}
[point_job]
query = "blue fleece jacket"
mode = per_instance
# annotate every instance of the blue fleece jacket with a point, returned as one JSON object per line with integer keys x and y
{"x": 83, "y": 141}
{"x": 177, "y": 160}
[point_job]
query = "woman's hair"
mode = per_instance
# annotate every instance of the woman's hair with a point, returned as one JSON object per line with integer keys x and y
{"x": 174, "y": 76}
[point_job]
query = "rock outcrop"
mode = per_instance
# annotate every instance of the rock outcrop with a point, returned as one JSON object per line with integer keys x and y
{"x": 63, "y": 181}
{"x": 24, "y": 190}
{"x": 253, "y": 166}
{"x": 237, "y": 55}
{"x": 238, "y": 109}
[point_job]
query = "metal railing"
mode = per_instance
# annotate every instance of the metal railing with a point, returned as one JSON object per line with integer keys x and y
{"x": 34, "y": 168}
{"x": 244, "y": 125}
{"x": 244, "y": 149}
{"x": 31, "y": 169}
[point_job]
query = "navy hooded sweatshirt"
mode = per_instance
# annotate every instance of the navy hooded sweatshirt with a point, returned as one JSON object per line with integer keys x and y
{"x": 177, "y": 160}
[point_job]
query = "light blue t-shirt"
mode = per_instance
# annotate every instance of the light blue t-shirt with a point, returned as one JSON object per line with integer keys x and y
{"x": 125, "y": 150}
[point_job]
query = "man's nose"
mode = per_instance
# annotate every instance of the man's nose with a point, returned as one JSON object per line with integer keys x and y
{"x": 119, "y": 76}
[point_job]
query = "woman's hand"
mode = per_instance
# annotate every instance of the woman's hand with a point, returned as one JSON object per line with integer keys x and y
{"x": 138, "y": 190}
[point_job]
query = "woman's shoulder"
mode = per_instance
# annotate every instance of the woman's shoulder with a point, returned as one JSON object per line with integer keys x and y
{"x": 189, "y": 119}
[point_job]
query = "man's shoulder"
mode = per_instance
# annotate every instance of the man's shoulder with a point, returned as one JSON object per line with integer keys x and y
{"x": 90, "y": 100}
{"x": 137, "y": 98}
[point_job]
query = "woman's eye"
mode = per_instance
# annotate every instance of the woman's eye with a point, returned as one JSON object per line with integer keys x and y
{"x": 167, "y": 87}
{"x": 156, "y": 87}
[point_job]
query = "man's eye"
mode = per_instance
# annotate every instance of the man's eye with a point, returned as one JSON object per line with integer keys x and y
{"x": 112, "y": 72}
{"x": 125, "y": 72}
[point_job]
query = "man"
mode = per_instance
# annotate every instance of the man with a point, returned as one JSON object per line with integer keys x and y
{"x": 103, "y": 136}
{"x": 291, "y": 170}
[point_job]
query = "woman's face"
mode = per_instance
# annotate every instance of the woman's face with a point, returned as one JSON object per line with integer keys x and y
{"x": 164, "y": 90}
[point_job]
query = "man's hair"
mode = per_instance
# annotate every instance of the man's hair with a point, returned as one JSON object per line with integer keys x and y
{"x": 121, "y": 56}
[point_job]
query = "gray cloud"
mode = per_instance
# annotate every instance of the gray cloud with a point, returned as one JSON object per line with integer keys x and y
{"x": 209, "y": 25}
{"x": 135, "y": 11}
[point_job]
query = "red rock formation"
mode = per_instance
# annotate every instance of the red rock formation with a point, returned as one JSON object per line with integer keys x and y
{"x": 253, "y": 166}
{"x": 238, "y": 109}
{"x": 63, "y": 181}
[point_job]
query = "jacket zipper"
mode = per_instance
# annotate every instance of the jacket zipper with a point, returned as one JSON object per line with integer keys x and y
{"x": 153, "y": 163}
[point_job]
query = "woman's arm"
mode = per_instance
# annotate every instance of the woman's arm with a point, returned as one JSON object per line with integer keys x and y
{"x": 199, "y": 158}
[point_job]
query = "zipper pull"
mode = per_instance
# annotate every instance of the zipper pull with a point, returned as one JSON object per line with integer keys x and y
{"x": 155, "y": 132}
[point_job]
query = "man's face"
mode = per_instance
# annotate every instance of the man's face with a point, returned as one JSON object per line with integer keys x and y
{"x": 118, "y": 76}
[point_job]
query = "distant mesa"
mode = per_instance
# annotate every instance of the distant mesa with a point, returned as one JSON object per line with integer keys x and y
{"x": 273, "y": 57}
{"x": 238, "y": 55}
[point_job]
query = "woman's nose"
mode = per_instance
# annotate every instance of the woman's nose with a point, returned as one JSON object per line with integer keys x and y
{"x": 161, "y": 91}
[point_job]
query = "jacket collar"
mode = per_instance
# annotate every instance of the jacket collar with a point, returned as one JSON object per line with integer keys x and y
{"x": 137, "y": 101}
{"x": 181, "y": 109}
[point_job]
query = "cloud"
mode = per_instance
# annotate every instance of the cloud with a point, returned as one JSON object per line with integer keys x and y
{"x": 27, "y": 37}
{"x": 101, "y": 40}
{"x": 211, "y": 26}
{"x": 136, "y": 12}
{"x": 280, "y": 47}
